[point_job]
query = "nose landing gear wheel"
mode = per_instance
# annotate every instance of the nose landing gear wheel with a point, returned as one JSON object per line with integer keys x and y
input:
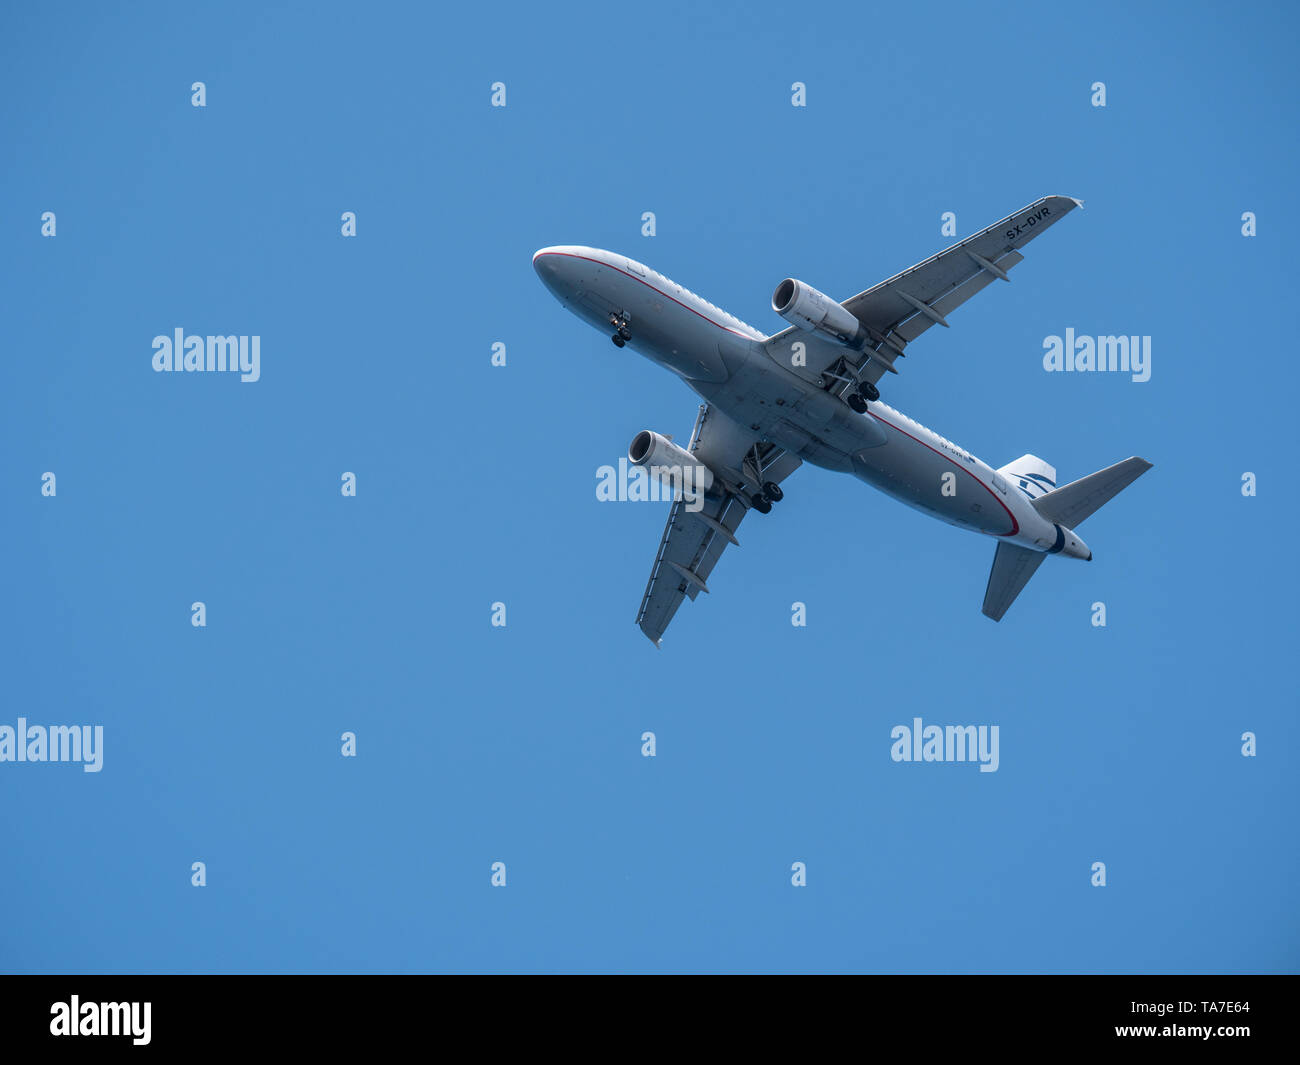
{"x": 761, "y": 503}
{"x": 773, "y": 492}
{"x": 621, "y": 332}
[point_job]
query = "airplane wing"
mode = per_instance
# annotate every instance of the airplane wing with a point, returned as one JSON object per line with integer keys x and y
{"x": 693, "y": 541}
{"x": 897, "y": 311}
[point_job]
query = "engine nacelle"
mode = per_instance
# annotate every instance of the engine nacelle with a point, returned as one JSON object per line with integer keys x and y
{"x": 813, "y": 311}
{"x": 670, "y": 464}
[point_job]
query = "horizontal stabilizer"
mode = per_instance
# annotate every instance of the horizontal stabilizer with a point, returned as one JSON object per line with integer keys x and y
{"x": 1012, "y": 567}
{"x": 1071, "y": 503}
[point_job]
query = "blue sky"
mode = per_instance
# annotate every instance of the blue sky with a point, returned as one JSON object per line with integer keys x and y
{"x": 477, "y": 484}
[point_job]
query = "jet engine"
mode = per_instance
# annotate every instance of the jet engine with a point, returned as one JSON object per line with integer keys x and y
{"x": 813, "y": 311}
{"x": 672, "y": 465}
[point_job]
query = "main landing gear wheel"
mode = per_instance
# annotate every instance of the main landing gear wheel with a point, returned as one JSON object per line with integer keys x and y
{"x": 857, "y": 402}
{"x": 761, "y": 504}
{"x": 773, "y": 492}
{"x": 868, "y": 391}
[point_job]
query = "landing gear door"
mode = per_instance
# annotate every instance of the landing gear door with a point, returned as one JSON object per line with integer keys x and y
{"x": 597, "y": 307}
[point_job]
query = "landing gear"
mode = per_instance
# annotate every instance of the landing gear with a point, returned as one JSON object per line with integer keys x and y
{"x": 856, "y": 402}
{"x": 868, "y": 391}
{"x": 771, "y": 493}
{"x": 621, "y": 332}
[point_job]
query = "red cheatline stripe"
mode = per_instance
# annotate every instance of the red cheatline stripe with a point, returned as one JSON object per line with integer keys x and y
{"x": 652, "y": 288}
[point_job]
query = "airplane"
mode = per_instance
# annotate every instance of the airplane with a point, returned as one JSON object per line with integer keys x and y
{"x": 810, "y": 394}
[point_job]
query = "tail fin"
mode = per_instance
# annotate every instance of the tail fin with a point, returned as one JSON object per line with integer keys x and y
{"x": 1031, "y": 474}
{"x": 1080, "y": 499}
{"x": 1013, "y": 565}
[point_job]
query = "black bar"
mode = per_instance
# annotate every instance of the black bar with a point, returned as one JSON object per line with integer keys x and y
{"x": 338, "y": 1014}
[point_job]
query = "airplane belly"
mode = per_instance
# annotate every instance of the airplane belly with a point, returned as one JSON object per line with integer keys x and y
{"x": 775, "y": 413}
{"x": 914, "y": 474}
{"x": 819, "y": 427}
{"x": 837, "y": 426}
{"x": 662, "y": 329}
{"x": 673, "y": 337}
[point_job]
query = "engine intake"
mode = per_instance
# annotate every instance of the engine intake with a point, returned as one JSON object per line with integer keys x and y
{"x": 815, "y": 312}
{"x": 670, "y": 464}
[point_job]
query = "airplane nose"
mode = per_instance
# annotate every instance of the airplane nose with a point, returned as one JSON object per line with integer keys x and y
{"x": 566, "y": 269}
{"x": 559, "y": 269}
{"x": 546, "y": 262}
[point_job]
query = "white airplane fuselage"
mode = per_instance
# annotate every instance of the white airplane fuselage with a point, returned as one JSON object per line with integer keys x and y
{"x": 724, "y": 361}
